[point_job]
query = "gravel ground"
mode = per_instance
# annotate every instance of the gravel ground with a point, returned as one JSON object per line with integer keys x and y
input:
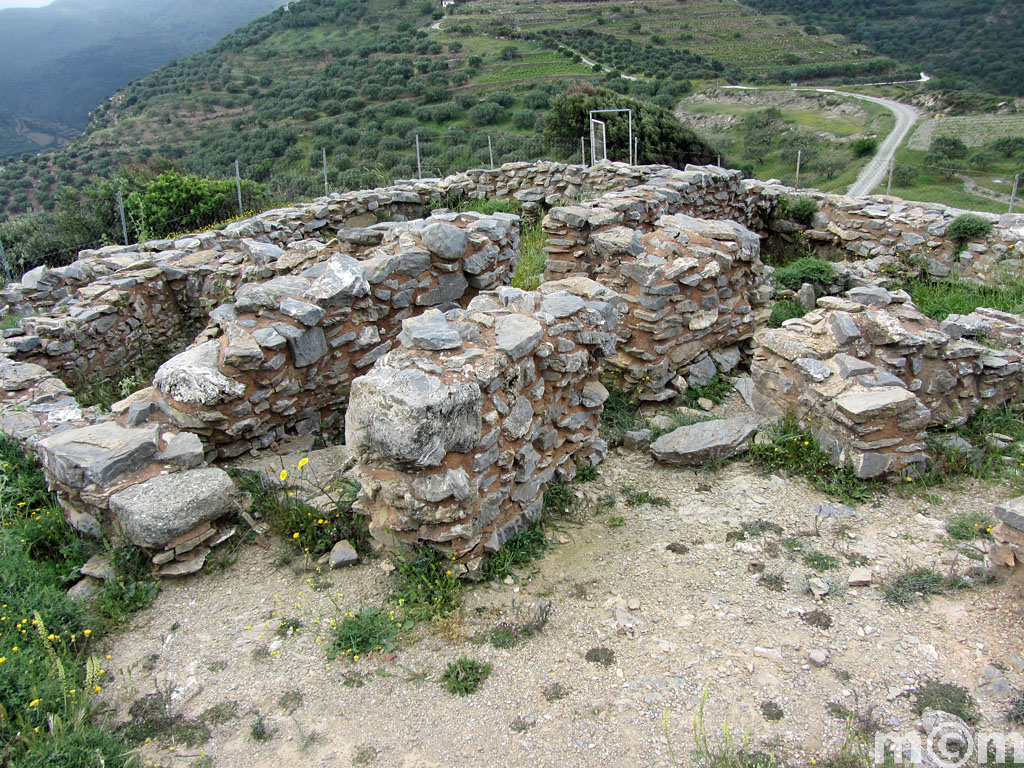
{"x": 680, "y": 625}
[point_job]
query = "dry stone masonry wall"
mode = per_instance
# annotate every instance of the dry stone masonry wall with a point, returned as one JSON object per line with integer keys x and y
{"x": 871, "y": 373}
{"x": 467, "y": 396}
{"x": 459, "y": 429}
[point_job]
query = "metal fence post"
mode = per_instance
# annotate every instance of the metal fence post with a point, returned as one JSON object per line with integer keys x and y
{"x": 419, "y": 167}
{"x": 120, "y": 208}
{"x": 238, "y": 188}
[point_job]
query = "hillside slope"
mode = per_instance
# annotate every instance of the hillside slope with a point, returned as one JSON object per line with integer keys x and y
{"x": 58, "y": 62}
{"x": 974, "y": 43}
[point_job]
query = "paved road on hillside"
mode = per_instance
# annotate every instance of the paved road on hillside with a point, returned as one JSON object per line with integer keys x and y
{"x": 875, "y": 171}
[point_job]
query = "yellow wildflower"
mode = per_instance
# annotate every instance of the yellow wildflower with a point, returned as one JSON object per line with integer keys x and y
{"x": 283, "y": 475}
{"x": 34, "y": 703}
{"x": 302, "y": 462}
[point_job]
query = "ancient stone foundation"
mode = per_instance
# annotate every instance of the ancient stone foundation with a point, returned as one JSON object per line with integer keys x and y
{"x": 870, "y": 373}
{"x": 465, "y": 397}
{"x": 459, "y": 430}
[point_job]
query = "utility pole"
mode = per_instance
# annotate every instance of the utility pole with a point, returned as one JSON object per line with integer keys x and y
{"x": 892, "y": 166}
{"x": 718, "y": 160}
{"x": 799, "y": 159}
{"x": 419, "y": 167}
{"x": 120, "y": 208}
{"x": 323, "y": 151}
{"x": 238, "y": 188}
{"x": 583, "y": 149}
{"x": 3, "y": 261}
{"x": 1013, "y": 195}
{"x": 490, "y": 150}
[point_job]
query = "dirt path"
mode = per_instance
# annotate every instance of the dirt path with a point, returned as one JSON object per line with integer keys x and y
{"x": 678, "y": 624}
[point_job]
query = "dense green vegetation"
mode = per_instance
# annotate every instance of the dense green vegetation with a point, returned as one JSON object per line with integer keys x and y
{"x": 50, "y": 667}
{"x": 964, "y": 41}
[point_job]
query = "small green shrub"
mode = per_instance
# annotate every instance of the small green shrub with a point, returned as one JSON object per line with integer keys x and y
{"x": 367, "y": 631}
{"x": 908, "y": 585}
{"x": 522, "y": 550}
{"x": 785, "y": 310}
{"x": 809, "y": 269}
{"x": 308, "y": 529}
{"x": 635, "y": 498}
{"x": 771, "y": 711}
{"x": 967, "y": 526}
{"x": 465, "y": 676}
{"x": 259, "y": 730}
{"x": 793, "y": 449}
{"x": 968, "y": 226}
{"x": 426, "y": 585}
{"x": 600, "y": 655}
{"x": 946, "y": 697}
{"x": 801, "y": 209}
{"x": 819, "y": 561}
{"x": 864, "y": 146}
{"x": 622, "y": 414}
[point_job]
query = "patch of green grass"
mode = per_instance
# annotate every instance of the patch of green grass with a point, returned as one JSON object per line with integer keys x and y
{"x": 260, "y": 730}
{"x": 425, "y": 585}
{"x": 371, "y": 630}
{"x": 947, "y": 697}
{"x": 724, "y": 751}
{"x": 465, "y": 676}
{"x": 635, "y": 498}
{"x": 615, "y": 521}
{"x": 970, "y": 525}
{"x": 621, "y": 414}
{"x": 785, "y": 310}
{"x": 55, "y": 636}
{"x": 528, "y": 546}
{"x": 987, "y": 460}
{"x": 819, "y": 561}
{"x": 151, "y": 719}
{"x": 532, "y": 259}
{"x": 809, "y": 269}
{"x": 771, "y": 711}
{"x": 715, "y": 390}
{"x": 754, "y": 529}
{"x": 794, "y": 450}
{"x": 941, "y": 298}
{"x": 221, "y": 713}
{"x": 909, "y": 585}
{"x": 306, "y": 528}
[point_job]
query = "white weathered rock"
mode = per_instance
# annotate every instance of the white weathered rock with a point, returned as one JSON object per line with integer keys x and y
{"x": 193, "y": 376}
{"x": 705, "y": 441}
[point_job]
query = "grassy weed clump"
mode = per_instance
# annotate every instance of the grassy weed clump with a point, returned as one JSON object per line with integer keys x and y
{"x": 970, "y": 525}
{"x": 367, "y": 631}
{"x": 532, "y": 259}
{"x": 947, "y": 697}
{"x": 528, "y": 546}
{"x": 426, "y": 585}
{"x": 909, "y": 585}
{"x": 794, "y": 450}
{"x": 988, "y": 459}
{"x": 309, "y": 529}
{"x": 465, "y": 676}
{"x": 635, "y": 498}
{"x": 621, "y": 414}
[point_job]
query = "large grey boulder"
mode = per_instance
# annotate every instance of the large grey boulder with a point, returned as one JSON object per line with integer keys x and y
{"x": 98, "y": 454}
{"x": 429, "y": 331}
{"x": 155, "y": 512}
{"x": 409, "y": 417}
{"x": 704, "y": 442}
{"x": 194, "y": 377}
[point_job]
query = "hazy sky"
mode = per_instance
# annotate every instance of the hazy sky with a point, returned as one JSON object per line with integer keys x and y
{"x": 24, "y": 3}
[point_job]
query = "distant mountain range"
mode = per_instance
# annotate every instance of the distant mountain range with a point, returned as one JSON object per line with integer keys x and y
{"x": 59, "y": 62}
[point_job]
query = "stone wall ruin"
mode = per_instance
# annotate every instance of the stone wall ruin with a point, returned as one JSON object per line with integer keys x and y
{"x": 358, "y": 296}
